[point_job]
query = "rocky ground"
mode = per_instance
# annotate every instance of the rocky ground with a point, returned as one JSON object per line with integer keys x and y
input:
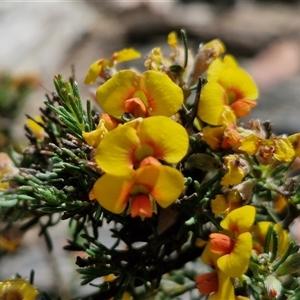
{"x": 47, "y": 38}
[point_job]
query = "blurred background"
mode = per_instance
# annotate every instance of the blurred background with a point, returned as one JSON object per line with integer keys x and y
{"x": 43, "y": 39}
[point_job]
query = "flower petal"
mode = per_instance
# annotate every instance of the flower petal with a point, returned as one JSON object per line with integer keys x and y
{"x": 220, "y": 243}
{"x": 112, "y": 192}
{"x": 115, "y": 153}
{"x": 225, "y": 290}
{"x": 94, "y": 71}
{"x": 163, "y": 95}
{"x": 165, "y": 184}
{"x": 284, "y": 150}
{"x": 219, "y": 205}
{"x": 212, "y": 102}
{"x": 17, "y": 288}
{"x": 209, "y": 257}
{"x": 236, "y": 263}
{"x": 168, "y": 139}
{"x": 237, "y": 80}
{"x": 112, "y": 95}
{"x": 125, "y": 55}
{"x": 141, "y": 206}
{"x": 239, "y": 220}
{"x": 207, "y": 283}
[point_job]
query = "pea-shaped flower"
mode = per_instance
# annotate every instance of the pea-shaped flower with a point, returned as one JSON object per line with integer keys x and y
{"x": 126, "y": 146}
{"x": 141, "y": 189}
{"x": 151, "y": 94}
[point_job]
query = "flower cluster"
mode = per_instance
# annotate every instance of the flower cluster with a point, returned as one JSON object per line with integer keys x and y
{"x": 168, "y": 160}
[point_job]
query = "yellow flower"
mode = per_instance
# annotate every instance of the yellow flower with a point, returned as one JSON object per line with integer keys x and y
{"x": 234, "y": 247}
{"x": 223, "y": 204}
{"x": 236, "y": 170}
{"x": 260, "y": 232}
{"x": 150, "y": 94}
{"x": 140, "y": 188}
{"x": 295, "y": 141}
{"x": 268, "y": 150}
{"x": 224, "y": 136}
{"x": 126, "y": 146}
{"x": 227, "y": 86}
{"x": 96, "y": 69}
{"x": 17, "y": 289}
{"x": 172, "y": 39}
{"x": 37, "y": 129}
{"x": 94, "y": 137}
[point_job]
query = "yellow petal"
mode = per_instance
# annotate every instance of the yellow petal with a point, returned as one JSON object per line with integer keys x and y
{"x": 37, "y": 129}
{"x": 261, "y": 230}
{"x": 112, "y": 192}
{"x": 239, "y": 220}
{"x": 115, "y": 153}
{"x": 212, "y": 102}
{"x": 17, "y": 289}
{"x": 238, "y": 81}
{"x": 225, "y": 290}
{"x": 235, "y": 171}
{"x": 208, "y": 257}
{"x": 168, "y": 139}
{"x": 295, "y": 141}
{"x": 125, "y": 55}
{"x": 165, "y": 183}
{"x": 213, "y": 136}
{"x": 94, "y": 71}
{"x": 236, "y": 263}
{"x": 94, "y": 137}
{"x": 250, "y": 144}
{"x": 219, "y": 205}
{"x": 284, "y": 150}
{"x": 164, "y": 97}
{"x": 230, "y": 62}
{"x": 172, "y": 39}
{"x": 112, "y": 95}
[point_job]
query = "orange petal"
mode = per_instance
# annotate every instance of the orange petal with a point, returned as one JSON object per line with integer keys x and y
{"x": 109, "y": 122}
{"x": 141, "y": 206}
{"x": 207, "y": 283}
{"x": 221, "y": 243}
{"x": 149, "y": 161}
{"x": 242, "y": 107}
{"x": 136, "y": 107}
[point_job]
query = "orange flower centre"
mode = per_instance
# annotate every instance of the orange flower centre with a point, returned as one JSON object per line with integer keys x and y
{"x": 12, "y": 295}
{"x": 141, "y": 206}
{"x": 221, "y": 243}
{"x": 136, "y": 107}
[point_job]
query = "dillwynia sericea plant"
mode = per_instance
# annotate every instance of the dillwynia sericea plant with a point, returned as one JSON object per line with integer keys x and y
{"x": 197, "y": 203}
